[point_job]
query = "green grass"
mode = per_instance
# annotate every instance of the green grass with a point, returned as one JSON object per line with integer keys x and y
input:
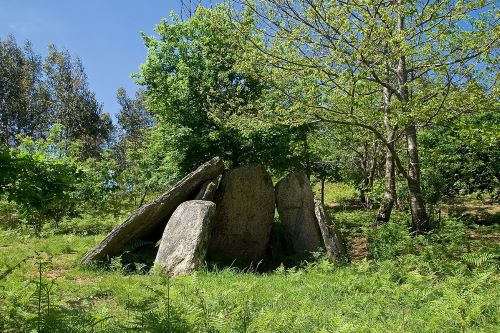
{"x": 445, "y": 282}
{"x": 336, "y": 193}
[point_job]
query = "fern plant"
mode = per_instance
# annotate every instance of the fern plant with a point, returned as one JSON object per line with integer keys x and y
{"x": 477, "y": 260}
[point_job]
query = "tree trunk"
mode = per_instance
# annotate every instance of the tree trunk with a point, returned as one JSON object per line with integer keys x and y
{"x": 369, "y": 167}
{"x": 371, "y": 174}
{"x": 323, "y": 190}
{"x": 363, "y": 197}
{"x": 420, "y": 223}
{"x": 417, "y": 207}
{"x": 385, "y": 210}
{"x": 143, "y": 197}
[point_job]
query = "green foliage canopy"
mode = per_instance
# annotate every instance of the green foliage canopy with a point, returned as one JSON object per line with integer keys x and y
{"x": 41, "y": 178}
{"x": 195, "y": 89}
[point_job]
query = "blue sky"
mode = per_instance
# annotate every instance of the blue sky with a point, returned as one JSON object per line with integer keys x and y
{"x": 105, "y": 34}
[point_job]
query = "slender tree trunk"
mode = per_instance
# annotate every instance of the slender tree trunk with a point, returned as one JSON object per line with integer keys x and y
{"x": 323, "y": 190}
{"x": 143, "y": 197}
{"x": 385, "y": 210}
{"x": 371, "y": 174}
{"x": 420, "y": 222}
{"x": 417, "y": 206}
{"x": 369, "y": 165}
{"x": 363, "y": 198}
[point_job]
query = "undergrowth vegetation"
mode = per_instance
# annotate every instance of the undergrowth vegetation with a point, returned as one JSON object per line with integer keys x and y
{"x": 391, "y": 107}
{"x": 444, "y": 282}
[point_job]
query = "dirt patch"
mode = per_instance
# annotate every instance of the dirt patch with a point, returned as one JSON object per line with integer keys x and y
{"x": 52, "y": 274}
{"x": 480, "y": 214}
{"x": 359, "y": 248}
{"x": 93, "y": 301}
{"x": 55, "y": 273}
{"x": 83, "y": 281}
{"x": 98, "y": 301}
{"x": 494, "y": 237}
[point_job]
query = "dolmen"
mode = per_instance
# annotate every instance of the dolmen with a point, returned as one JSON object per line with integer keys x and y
{"x": 227, "y": 217}
{"x": 185, "y": 240}
{"x": 295, "y": 203}
{"x": 244, "y": 216}
{"x": 154, "y": 216}
{"x": 306, "y": 226}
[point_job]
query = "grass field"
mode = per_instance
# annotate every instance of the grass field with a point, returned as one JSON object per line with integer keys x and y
{"x": 445, "y": 282}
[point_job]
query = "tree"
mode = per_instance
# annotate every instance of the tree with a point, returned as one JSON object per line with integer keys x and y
{"x": 35, "y": 95}
{"x": 188, "y": 7}
{"x": 348, "y": 155}
{"x": 75, "y": 107}
{"x": 389, "y": 199}
{"x": 337, "y": 58}
{"x": 133, "y": 117}
{"x": 24, "y": 98}
{"x": 149, "y": 168}
{"x": 195, "y": 90}
{"x": 463, "y": 156}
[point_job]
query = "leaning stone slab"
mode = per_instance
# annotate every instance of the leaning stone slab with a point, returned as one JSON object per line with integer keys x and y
{"x": 184, "y": 243}
{"x": 295, "y": 203}
{"x": 332, "y": 238}
{"x": 208, "y": 190}
{"x": 244, "y": 217}
{"x": 149, "y": 218}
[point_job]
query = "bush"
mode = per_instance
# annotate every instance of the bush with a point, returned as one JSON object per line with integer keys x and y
{"x": 390, "y": 240}
{"x": 10, "y": 215}
{"x": 40, "y": 182}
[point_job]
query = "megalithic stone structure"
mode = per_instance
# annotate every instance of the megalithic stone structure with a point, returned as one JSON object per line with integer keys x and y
{"x": 244, "y": 216}
{"x": 208, "y": 190}
{"x": 153, "y": 217}
{"x": 332, "y": 237}
{"x": 185, "y": 240}
{"x": 295, "y": 203}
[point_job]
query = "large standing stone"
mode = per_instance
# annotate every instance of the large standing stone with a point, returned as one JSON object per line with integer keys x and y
{"x": 152, "y": 217}
{"x": 295, "y": 203}
{"x": 184, "y": 243}
{"x": 332, "y": 237}
{"x": 244, "y": 217}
